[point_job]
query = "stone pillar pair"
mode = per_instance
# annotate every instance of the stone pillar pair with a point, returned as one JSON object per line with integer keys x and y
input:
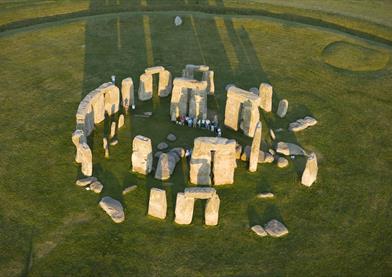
{"x": 146, "y": 83}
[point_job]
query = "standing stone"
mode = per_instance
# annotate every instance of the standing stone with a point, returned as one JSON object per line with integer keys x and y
{"x": 209, "y": 77}
{"x": 165, "y": 83}
{"x": 113, "y": 208}
{"x": 255, "y": 149}
{"x": 142, "y": 157}
{"x": 211, "y": 213}
{"x": 112, "y": 99}
{"x": 282, "y": 108}
{"x": 145, "y": 87}
{"x": 309, "y": 175}
{"x": 120, "y": 121}
{"x": 127, "y": 93}
{"x": 266, "y": 97}
{"x": 86, "y": 159}
{"x": 275, "y": 229}
{"x": 157, "y": 205}
{"x": 113, "y": 129}
{"x": 184, "y": 209}
{"x": 105, "y": 147}
{"x": 78, "y": 138}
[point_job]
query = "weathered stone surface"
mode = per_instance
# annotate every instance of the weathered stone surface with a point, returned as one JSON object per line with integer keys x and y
{"x": 171, "y": 137}
{"x": 265, "y": 157}
{"x": 246, "y": 154}
{"x": 255, "y": 149}
{"x": 177, "y": 21}
{"x": 265, "y": 195}
{"x": 238, "y": 151}
{"x": 162, "y": 146}
{"x": 275, "y": 229}
{"x": 166, "y": 165}
{"x": 129, "y": 189}
{"x": 282, "y": 162}
{"x": 127, "y": 93}
{"x": 145, "y": 87}
{"x": 96, "y": 186}
{"x": 142, "y": 155}
{"x": 309, "y": 175}
{"x": 78, "y": 139}
{"x": 86, "y": 159}
{"x": 289, "y": 149}
{"x": 259, "y": 231}
{"x": 184, "y": 209}
{"x": 120, "y": 121}
{"x": 154, "y": 70}
{"x": 265, "y": 97}
{"x": 211, "y": 213}
{"x": 222, "y": 151}
{"x": 272, "y": 134}
{"x": 302, "y": 124}
{"x": 113, "y": 208}
{"x": 241, "y": 100}
{"x": 157, "y": 205}
{"x": 282, "y": 108}
{"x": 208, "y": 76}
{"x": 85, "y": 181}
{"x": 112, "y": 99}
{"x": 165, "y": 83}
{"x": 199, "y": 192}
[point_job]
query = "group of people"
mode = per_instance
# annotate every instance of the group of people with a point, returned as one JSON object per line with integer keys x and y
{"x": 200, "y": 123}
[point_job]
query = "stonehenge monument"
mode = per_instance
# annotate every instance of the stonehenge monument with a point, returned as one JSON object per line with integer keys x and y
{"x": 309, "y": 175}
{"x": 185, "y": 204}
{"x": 146, "y": 83}
{"x": 255, "y": 149}
{"x": 216, "y": 152}
{"x": 142, "y": 155}
{"x": 242, "y": 110}
{"x": 189, "y": 98}
{"x": 127, "y": 93}
{"x": 265, "y": 91}
{"x": 157, "y": 206}
{"x": 113, "y": 208}
{"x": 208, "y": 75}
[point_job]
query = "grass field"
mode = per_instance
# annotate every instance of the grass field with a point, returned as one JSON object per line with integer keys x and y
{"x": 53, "y": 53}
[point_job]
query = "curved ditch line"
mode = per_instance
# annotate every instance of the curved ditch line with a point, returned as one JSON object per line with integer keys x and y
{"x": 203, "y": 9}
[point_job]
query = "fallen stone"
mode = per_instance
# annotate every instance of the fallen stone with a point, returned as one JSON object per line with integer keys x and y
{"x": 199, "y": 192}
{"x": 282, "y": 108}
{"x": 162, "y": 146}
{"x": 211, "y": 213}
{"x": 113, "y": 208}
{"x": 85, "y": 181}
{"x": 265, "y": 195}
{"x": 272, "y": 134}
{"x": 171, "y": 137}
{"x": 147, "y": 113}
{"x": 177, "y": 21}
{"x": 259, "y": 231}
{"x": 302, "y": 124}
{"x": 129, "y": 189}
{"x": 96, "y": 187}
{"x": 282, "y": 162}
{"x": 309, "y": 175}
{"x": 289, "y": 149}
{"x": 114, "y": 142}
{"x": 265, "y": 157}
{"x": 157, "y": 206}
{"x": 275, "y": 229}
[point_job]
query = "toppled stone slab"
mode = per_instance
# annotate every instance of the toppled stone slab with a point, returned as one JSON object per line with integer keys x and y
{"x": 289, "y": 149}
{"x": 199, "y": 192}
{"x": 162, "y": 146}
{"x": 259, "y": 231}
{"x": 85, "y": 181}
{"x": 96, "y": 187}
{"x": 265, "y": 195}
{"x": 282, "y": 108}
{"x": 114, "y": 142}
{"x": 211, "y": 213}
{"x": 282, "y": 162}
{"x": 275, "y": 229}
{"x": 302, "y": 124}
{"x": 171, "y": 137}
{"x": 265, "y": 157}
{"x": 157, "y": 206}
{"x": 113, "y": 208}
{"x": 129, "y": 189}
{"x": 272, "y": 134}
{"x": 309, "y": 175}
{"x": 184, "y": 209}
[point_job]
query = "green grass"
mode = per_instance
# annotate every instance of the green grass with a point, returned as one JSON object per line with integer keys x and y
{"x": 50, "y": 227}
